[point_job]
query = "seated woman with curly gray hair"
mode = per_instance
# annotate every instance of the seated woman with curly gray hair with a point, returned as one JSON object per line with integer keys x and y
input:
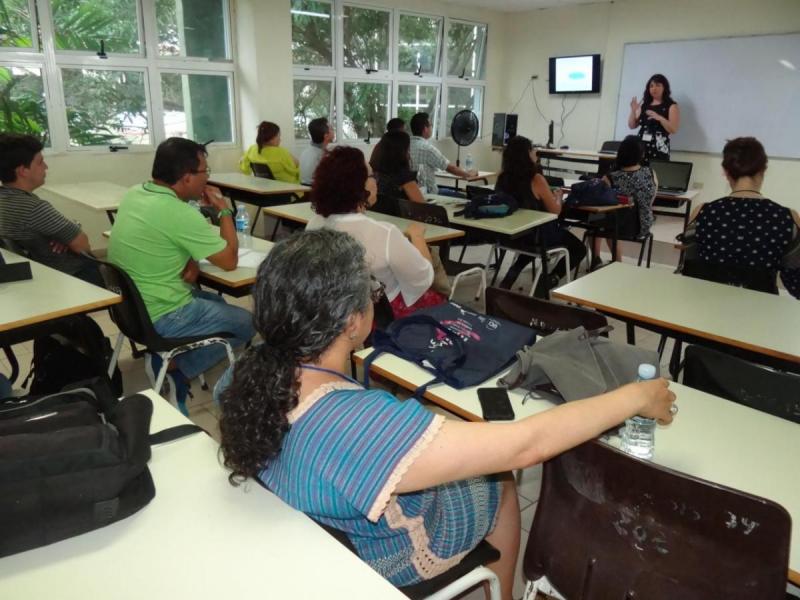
{"x": 414, "y": 492}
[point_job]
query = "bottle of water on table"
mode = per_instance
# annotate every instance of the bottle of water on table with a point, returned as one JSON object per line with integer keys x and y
{"x": 638, "y": 434}
{"x": 242, "y": 222}
{"x": 469, "y": 164}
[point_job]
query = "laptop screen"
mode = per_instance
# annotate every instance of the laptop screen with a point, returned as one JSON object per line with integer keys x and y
{"x": 672, "y": 176}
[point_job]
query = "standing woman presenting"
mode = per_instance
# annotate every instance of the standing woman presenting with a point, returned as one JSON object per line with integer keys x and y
{"x": 657, "y": 117}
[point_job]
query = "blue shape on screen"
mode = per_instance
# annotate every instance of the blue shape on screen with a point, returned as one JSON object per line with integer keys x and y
{"x": 577, "y": 75}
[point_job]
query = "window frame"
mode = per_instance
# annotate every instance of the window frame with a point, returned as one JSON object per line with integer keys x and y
{"x": 334, "y": 34}
{"x": 332, "y": 117}
{"x": 52, "y": 61}
{"x": 437, "y": 76}
{"x": 34, "y": 48}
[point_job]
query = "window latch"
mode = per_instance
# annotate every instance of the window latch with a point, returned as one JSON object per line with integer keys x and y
{"x": 102, "y": 54}
{"x": 370, "y": 70}
{"x": 114, "y": 148}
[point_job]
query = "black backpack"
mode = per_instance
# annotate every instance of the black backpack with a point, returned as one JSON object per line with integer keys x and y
{"x": 73, "y": 350}
{"x": 492, "y": 205}
{"x": 72, "y": 462}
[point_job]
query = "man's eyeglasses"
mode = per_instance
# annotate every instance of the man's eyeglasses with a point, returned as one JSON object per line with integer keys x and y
{"x": 207, "y": 171}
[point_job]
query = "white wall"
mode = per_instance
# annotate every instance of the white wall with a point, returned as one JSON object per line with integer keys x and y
{"x": 605, "y": 28}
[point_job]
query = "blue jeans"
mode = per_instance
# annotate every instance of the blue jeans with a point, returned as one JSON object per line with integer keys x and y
{"x": 206, "y": 313}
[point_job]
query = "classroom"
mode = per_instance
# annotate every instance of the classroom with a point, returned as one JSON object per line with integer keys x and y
{"x": 420, "y": 489}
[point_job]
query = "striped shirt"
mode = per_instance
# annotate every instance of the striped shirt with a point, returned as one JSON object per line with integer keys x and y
{"x": 425, "y": 160}
{"x": 33, "y": 223}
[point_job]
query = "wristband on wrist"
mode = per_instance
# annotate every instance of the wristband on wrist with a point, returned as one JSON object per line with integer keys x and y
{"x": 225, "y": 212}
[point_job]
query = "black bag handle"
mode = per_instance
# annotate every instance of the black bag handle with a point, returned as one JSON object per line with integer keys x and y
{"x": 174, "y": 433}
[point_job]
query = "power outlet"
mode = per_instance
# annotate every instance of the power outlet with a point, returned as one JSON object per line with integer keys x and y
{"x": 697, "y": 185}
{"x": 534, "y": 77}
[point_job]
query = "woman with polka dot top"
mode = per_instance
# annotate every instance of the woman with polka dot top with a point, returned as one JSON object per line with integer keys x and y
{"x": 745, "y": 229}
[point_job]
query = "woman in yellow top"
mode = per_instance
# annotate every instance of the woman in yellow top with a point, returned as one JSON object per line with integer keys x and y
{"x": 267, "y": 151}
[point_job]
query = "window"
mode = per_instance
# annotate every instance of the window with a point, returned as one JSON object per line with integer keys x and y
{"x": 366, "y": 38}
{"x": 197, "y": 106}
{"x": 366, "y": 109}
{"x": 359, "y": 66}
{"x": 312, "y": 99}
{"x": 466, "y": 50}
{"x": 84, "y": 24}
{"x": 312, "y": 33}
{"x": 22, "y": 100}
{"x": 418, "y": 45}
{"x": 130, "y": 94}
{"x": 15, "y": 24}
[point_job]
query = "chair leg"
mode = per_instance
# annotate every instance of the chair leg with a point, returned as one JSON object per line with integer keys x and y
{"x": 641, "y": 252}
{"x": 112, "y": 364}
{"x": 650, "y": 250}
{"x": 661, "y": 344}
{"x": 463, "y": 252}
{"x": 477, "y": 575}
{"x": 253, "y": 226}
{"x": 454, "y": 285}
{"x": 482, "y": 288}
{"x": 630, "y": 329}
{"x": 275, "y": 229}
{"x": 203, "y": 383}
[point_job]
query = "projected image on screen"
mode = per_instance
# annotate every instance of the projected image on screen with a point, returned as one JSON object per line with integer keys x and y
{"x": 574, "y": 74}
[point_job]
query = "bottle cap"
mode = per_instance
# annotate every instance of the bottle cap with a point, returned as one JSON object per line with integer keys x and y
{"x": 647, "y": 371}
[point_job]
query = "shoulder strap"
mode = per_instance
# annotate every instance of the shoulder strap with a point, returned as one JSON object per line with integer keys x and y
{"x": 174, "y": 433}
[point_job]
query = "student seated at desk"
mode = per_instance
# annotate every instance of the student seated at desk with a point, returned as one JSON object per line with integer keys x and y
{"x": 402, "y": 261}
{"x": 32, "y": 223}
{"x": 413, "y": 491}
{"x": 321, "y": 135}
{"x": 744, "y": 228}
{"x": 158, "y": 239}
{"x": 267, "y": 151}
{"x": 427, "y": 158}
{"x": 639, "y": 184}
{"x": 522, "y": 178}
{"x": 393, "y": 172}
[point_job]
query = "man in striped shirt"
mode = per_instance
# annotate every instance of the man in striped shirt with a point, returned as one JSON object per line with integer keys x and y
{"x": 32, "y": 223}
{"x": 426, "y": 158}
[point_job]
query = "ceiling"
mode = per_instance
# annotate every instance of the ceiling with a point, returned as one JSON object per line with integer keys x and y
{"x": 520, "y": 5}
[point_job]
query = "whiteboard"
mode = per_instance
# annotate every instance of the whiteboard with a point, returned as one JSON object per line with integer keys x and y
{"x": 726, "y": 87}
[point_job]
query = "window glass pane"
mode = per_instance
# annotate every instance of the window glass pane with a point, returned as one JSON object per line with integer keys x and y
{"x": 312, "y": 33}
{"x": 365, "y": 109}
{"x": 22, "y": 102}
{"x": 466, "y": 50}
{"x": 312, "y": 99}
{"x": 15, "y": 24}
{"x": 412, "y": 99}
{"x": 419, "y": 44}
{"x": 105, "y": 107}
{"x": 366, "y": 38}
{"x": 193, "y": 28}
{"x": 460, "y": 98}
{"x": 197, "y": 107}
{"x": 81, "y": 24}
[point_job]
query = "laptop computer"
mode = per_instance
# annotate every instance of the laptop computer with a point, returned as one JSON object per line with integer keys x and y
{"x": 673, "y": 176}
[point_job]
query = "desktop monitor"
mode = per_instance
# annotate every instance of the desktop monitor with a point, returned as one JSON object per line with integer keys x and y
{"x": 673, "y": 176}
{"x": 575, "y": 74}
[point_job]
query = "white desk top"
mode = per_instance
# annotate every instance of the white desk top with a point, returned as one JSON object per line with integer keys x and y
{"x": 97, "y": 195}
{"x": 751, "y": 320}
{"x": 301, "y": 212}
{"x": 519, "y": 222}
{"x": 198, "y": 538}
{"x": 711, "y": 438}
{"x": 481, "y": 175}
{"x": 256, "y": 185}
{"x": 49, "y": 295}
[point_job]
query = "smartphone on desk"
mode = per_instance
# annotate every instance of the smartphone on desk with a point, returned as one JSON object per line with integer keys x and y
{"x": 495, "y": 404}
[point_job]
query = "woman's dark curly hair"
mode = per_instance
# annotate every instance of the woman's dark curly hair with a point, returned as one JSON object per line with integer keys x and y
{"x": 339, "y": 179}
{"x": 307, "y": 289}
{"x": 666, "y": 97}
{"x": 744, "y": 157}
{"x": 518, "y": 170}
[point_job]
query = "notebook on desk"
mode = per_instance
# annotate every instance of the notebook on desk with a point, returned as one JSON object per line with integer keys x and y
{"x": 673, "y": 176}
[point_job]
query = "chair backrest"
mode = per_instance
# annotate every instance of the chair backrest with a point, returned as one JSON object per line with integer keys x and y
{"x": 610, "y": 146}
{"x": 424, "y": 213}
{"x": 387, "y": 205}
{"x": 751, "y": 278}
{"x": 554, "y": 181}
{"x": 542, "y": 315}
{"x": 611, "y": 526}
{"x": 743, "y": 382}
{"x": 14, "y": 246}
{"x": 476, "y": 191}
{"x": 130, "y": 315}
{"x": 261, "y": 170}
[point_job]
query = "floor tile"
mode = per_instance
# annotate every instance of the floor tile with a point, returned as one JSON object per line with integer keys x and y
{"x": 529, "y": 482}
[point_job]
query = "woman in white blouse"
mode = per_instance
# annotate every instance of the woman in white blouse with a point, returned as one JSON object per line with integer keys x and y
{"x": 342, "y": 191}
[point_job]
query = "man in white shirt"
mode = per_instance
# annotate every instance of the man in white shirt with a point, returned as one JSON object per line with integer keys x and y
{"x": 321, "y": 135}
{"x": 426, "y": 158}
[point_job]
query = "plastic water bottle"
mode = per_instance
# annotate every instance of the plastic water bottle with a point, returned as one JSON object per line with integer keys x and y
{"x": 639, "y": 434}
{"x": 469, "y": 163}
{"x": 242, "y": 225}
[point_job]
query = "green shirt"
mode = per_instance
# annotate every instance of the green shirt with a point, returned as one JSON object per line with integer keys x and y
{"x": 279, "y": 160}
{"x": 154, "y": 236}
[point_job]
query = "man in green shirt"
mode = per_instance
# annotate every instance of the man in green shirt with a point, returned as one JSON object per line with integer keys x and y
{"x": 158, "y": 239}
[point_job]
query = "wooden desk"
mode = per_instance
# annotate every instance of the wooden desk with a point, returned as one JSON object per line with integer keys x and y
{"x": 692, "y": 309}
{"x": 257, "y": 191}
{"x": 199, "y": 538}
{"x": 711, "y": 438}
{"x": 49, "y": 295}
{"x": 301, "y": 212}
{"x": 236, "y": 283}
{"x": 96, "y": 195}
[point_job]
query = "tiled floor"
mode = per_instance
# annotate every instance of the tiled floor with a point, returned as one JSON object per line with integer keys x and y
{"x": 204, "y": 413}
